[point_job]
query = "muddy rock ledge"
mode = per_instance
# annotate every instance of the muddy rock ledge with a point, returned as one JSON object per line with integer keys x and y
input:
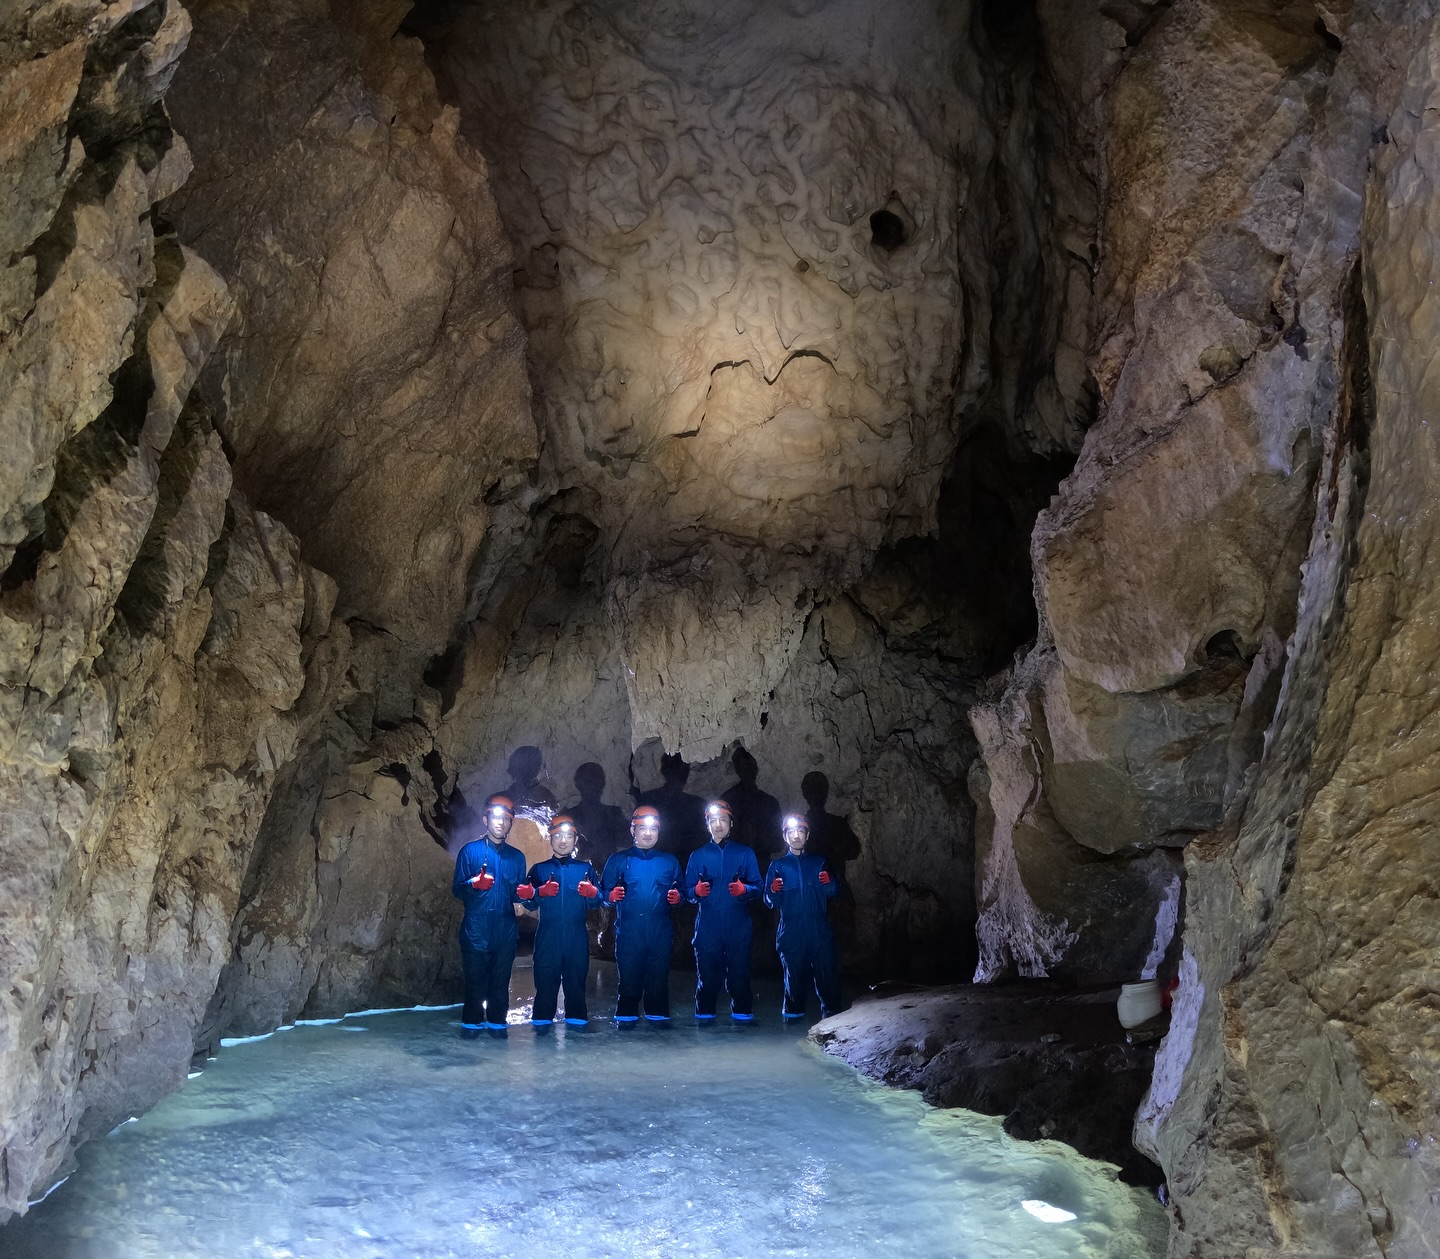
{"x": 1051, "y": 1059}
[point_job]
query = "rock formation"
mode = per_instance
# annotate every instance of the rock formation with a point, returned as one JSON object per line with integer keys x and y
{"x": 1016, "y": 412}
{"x": 374, "y": 398}
{"x": 159, "y": 631}
{"x": 173, "y": 668}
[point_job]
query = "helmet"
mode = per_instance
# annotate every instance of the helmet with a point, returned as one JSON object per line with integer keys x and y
{"x": 720, "y": 806}
{"x": 560, "y": 822}
{"x": 795, "y": 822}
{"x": 646, "y": 812}
{"x": 500, "y": 801}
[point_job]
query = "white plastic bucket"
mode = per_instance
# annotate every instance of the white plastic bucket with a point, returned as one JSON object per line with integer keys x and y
{"x": 1139, "y": 1003}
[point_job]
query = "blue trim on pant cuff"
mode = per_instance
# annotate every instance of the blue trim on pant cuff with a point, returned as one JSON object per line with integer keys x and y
{"x": 542, "y": 1022}
{"x": 498, "y": 1027}
{"x": 744, "y": 1018}
{"x": 577, "y": 1022}
{"x": 704, "y": 1017}
{"x": 627, "y": 1018}
{"x": 474, "y": 1027}
{"x": 788, "y": 1015}
{"x": 657, "y": 1018}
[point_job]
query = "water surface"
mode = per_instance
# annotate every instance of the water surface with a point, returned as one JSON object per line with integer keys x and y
{"x": 385, "y": 1136}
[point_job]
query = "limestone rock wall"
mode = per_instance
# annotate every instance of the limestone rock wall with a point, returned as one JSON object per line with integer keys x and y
{"x": 1232, "y": 586}
{"x": 1295, "y": 1104}
{"x": 374, "y": 371}
{"x": 376, "y": 400}
{"x": 743, "y": 235}
{"x": 1231, "y": 147}
{"x": 158, "y": 631}
{"x": 216, "y": 756}
{"x": 807, "y": 295}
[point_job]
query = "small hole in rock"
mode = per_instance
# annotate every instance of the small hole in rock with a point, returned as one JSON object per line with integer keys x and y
{"x": 887, "y": 230}
{"x": 1223, "y": 646}
{"x": 802, "y": 266}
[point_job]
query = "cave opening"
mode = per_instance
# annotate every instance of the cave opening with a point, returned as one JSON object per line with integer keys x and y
{"x": 887, "y": 230}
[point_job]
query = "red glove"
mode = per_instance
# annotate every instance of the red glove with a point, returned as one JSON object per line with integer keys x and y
{"x": 524, "y": 891}
{"x": 617, "y": 894}
{"x": 776, "y": 883}
{"x": 824, "y": 876}
{"x": 587, "y": 889}
{"x": 737, "y": 888}
{"x": 702, "y": 889}
{"x": 484, "y": 881}
{"x": 673, "y": 896}
{"x": 551, "y": 888}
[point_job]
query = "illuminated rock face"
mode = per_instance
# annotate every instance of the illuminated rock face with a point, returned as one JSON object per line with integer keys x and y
{"x": 194, "y": 737}
{"x": 736, "y": 234}
{"x": 1232, "y": 584}
{"x": 157, "y": 630}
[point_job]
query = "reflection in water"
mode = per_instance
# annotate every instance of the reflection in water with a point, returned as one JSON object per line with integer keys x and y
{"x": 384, "y": 1135}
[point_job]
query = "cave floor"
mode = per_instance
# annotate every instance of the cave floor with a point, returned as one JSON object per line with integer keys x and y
{"x": 384, "y": 1135}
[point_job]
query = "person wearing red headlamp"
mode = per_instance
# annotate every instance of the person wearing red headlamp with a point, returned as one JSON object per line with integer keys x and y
{"x": 643, "y": 884}
{"x": 564, "y": 889}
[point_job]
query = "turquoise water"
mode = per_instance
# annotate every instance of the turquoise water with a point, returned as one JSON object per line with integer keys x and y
{"x": 384, "y": 1136}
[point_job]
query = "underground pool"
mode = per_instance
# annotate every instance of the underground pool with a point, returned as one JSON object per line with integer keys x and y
{"x": 384, "y": 1135}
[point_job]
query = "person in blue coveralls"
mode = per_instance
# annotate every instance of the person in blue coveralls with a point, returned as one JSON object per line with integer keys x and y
{"x": 722, "y": 878}
{"x": 565, "y": 888}
{"x": 800, "y": 886}
{"x": 490, "y": 880}
{"x": 642, "y": 883}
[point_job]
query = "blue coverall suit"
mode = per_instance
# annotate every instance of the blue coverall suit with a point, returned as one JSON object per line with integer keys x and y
{"x": 804, "y": 941}
{"x": 642, "y": 930}
{"x": 488, "y": 932}
{"x": 562, "y": 944}
{"x": 722, "y": 928}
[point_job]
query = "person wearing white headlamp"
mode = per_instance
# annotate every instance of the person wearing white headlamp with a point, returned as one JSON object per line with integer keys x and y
{"x": 489, "y": 876}
{"x": 801, "y": 887}
{"x": 722, "y": 878}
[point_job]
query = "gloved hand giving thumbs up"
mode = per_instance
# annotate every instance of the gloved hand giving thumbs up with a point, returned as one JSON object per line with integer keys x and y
{"x": 550, "y": 887}
{"x": 824, "y": 876}
{"x": 525, "y": 891}
{"x": 776, "y": 883}
{"x": 737, "y": 888}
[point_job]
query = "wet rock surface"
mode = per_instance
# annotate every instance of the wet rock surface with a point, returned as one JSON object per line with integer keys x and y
{"x": 1052, "y": 1061}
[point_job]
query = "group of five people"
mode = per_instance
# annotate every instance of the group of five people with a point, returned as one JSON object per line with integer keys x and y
{"x": 643, "y": 884}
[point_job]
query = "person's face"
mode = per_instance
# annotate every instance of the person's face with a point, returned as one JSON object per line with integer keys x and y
{"x": 562, "y": 842}
{"x": 498, "y": 822}
{"x": 795, "y": 839}
{"x": 645, "y": 832}
{"x": 717, "y": 822}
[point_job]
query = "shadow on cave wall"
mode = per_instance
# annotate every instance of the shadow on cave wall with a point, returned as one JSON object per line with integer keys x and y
{"x": 932, "y": 616}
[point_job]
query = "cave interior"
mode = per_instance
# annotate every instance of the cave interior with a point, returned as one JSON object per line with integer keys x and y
{"x": 998, "y": 428}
